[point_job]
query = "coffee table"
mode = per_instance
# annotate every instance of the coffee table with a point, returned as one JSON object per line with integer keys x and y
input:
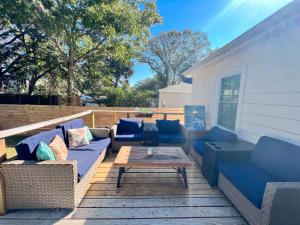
{"x": 163, "y": 157}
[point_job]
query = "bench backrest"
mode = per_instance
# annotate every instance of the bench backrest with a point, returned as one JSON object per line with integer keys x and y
{"x": 130, "y": 126}
{"x": 26, "y": 149}
{"x": 279, "y": 158}
{"x": 74, "y": 124}
{"x": 218, "y": 134}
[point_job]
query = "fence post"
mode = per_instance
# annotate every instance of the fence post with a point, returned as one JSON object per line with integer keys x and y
{"x": 2, "y": 150}
{"x": 2, "y": 184}
{"x": 165, "y": 116}
{"x": 93, "y": 119}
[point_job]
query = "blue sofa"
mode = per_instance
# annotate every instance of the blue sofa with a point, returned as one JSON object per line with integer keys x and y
{"x": 265, "y": 189}
{"x": 171, "y": 133}
{"x": 129, "y": 131}
{"x": 216, "y": 134}
{"x": 53, "y": 184}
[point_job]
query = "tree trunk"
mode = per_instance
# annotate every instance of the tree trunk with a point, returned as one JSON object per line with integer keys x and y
{"x": 70, "y": 76}
{"x": 116, "y": 84}
{"x": 31, "y": 86}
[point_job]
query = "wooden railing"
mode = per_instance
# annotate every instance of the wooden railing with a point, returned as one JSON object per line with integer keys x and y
{"x": 36, "y": 126}
{"x": 12, "y": 116}
{"x": 91, "y": 121}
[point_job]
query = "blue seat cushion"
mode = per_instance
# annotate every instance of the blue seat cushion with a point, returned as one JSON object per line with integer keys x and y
{"x": 218, "y": 134}
{"x": 280, "y": 158}
{"x": 94, "y": 145}
{"x": 248, "y": 179}
{"x": 198, "y": 146}
{"x": 74, "y": 124}
{"x": 26, "y": 149}
{"x": 87, "y": 155}
{"x": 130, "y": 126}
{"x": 168, "y": 126}
{"x": 172, "y": 138}
{"x": 129, "y": 137}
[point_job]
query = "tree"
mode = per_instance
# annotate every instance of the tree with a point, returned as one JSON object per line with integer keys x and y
{"x": 171, "y": 53}
{"x": 24, "y": 53}
{"x": 79, "y": 30}
{"x": 78, "y": 33}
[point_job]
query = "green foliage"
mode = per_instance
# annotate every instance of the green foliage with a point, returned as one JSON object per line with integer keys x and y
{"x": 85, "y": 30}
{"x": 73, "y": 39}
{"x": 123, "y": 97}
{"x": 171, "y": 53}
{"x": 25, "y": 53}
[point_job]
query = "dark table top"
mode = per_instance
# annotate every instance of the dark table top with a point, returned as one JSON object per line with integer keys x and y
{"x": 150, "y": 127}
{"x": 231, "y": 146}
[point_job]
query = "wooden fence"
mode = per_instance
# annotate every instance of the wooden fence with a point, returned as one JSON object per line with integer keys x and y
{"x": 12, "y": 116}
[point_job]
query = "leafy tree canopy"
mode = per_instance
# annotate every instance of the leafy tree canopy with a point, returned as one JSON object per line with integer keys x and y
{"x": 81, "y": 35}
{"x": 171, "y": 53}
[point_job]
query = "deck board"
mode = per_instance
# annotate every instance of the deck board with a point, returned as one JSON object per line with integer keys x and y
{"x": 144, "y": 198}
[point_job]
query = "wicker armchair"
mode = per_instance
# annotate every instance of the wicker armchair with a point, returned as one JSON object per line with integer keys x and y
{"x": 265, "y": 189}
{"x": 281, "y": 203}
{"x": 116, "y": 145}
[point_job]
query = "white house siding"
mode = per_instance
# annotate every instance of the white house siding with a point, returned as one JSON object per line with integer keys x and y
{"x": 174, "y": 99}
{"x": 270, "y": 101}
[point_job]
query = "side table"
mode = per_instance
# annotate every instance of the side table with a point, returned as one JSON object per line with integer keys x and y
{"x": 216, "y": 152}
{"x": 151, "y": 135}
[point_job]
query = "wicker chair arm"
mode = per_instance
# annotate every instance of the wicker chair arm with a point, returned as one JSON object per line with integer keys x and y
{"x": 52, "y": 182}
{"x": 114, "y": 130}
{"x": 281, "y": 203}
{"x": 34, "y": 162}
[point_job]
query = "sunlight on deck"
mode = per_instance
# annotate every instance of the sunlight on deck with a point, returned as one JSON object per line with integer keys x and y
{"x": 154, "y": 198}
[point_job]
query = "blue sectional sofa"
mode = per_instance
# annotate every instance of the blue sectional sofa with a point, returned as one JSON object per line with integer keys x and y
{"x": 266, "y": 189}
{"x": 53, "y": 184}
{"x": 129, "y": 131}
{"x": 216, "y": 134}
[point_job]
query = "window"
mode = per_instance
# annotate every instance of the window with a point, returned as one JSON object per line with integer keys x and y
{"x": 228, "y": 101}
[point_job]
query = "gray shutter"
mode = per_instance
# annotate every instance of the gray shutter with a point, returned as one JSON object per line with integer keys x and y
{"x": 228, "y": 103}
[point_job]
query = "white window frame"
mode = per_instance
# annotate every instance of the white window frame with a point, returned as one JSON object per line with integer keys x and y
{"x": 242, "y": 71}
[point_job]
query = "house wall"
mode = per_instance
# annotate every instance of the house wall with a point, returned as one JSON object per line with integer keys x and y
{"x": 270, "y": 91}
{"x": 174, "y": 99}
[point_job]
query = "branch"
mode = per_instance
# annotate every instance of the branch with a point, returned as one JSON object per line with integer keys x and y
{"x": 12, "y": 63}
{"x": 87, "y": 53}
{"x": 59, "y": 47}
{"x": 12, "y": 40}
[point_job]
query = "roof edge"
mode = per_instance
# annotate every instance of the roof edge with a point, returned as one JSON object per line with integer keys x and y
{"x": 275, "y": 20}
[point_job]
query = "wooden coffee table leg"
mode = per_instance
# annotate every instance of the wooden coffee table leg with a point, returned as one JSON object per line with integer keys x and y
{"x": 121, "y": 171}
{"x": 184, "y": 177}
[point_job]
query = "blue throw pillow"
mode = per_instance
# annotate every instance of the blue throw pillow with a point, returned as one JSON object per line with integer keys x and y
{"x": 44, "y": 152}
{"x": 130, "y": 126}
{"x": 168, "y": 126}
{"x": 89, "y": 135}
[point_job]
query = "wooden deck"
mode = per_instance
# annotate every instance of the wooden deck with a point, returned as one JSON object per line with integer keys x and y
{"x": 154, "y": 198}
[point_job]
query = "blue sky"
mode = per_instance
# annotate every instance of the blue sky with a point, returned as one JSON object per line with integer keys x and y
{"x": 223, "y": 20}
